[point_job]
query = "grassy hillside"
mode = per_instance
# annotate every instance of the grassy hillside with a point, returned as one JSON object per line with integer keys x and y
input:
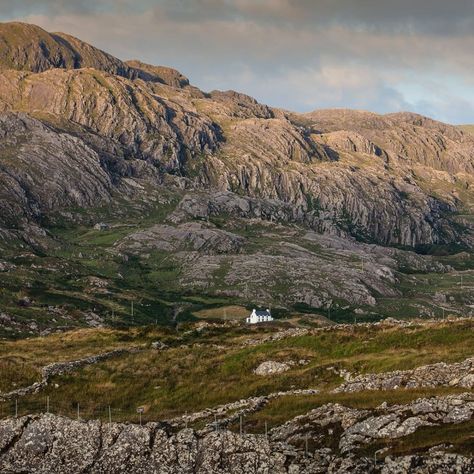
{"x": 208, "y": 367}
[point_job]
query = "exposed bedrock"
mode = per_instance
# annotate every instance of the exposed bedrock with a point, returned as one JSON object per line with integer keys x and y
{"x": 52, "y": 444}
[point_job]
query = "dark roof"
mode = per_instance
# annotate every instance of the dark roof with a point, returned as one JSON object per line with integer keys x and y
{"x": 262, "y": 313}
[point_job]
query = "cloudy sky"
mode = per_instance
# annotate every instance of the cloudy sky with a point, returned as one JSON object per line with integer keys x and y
{"x": 380, "y": 55}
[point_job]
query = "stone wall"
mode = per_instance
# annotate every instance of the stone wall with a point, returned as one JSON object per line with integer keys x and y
{"x": 59, "y": 368}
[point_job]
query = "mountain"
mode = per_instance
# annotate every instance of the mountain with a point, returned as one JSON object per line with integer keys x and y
{"x": 128, "y": 173}
{"x": 26, "y": 47}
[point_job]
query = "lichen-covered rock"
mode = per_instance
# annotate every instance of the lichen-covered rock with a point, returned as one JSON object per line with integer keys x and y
{"x": 271, "y": 367}
{"x": 418, "y": 464}
{"x": 460, "y": 374}
{"x": 49, "y": 444}
{"x": 402, "y": 420}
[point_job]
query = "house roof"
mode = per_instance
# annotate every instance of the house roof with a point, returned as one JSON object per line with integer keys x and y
{"x": 262, "y": 313}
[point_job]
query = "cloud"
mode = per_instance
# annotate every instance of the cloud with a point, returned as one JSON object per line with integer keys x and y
{"x": 299, "y": 54}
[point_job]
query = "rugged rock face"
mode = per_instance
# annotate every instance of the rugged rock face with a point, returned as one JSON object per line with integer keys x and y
{"x": 401, "y": 420}
{"x": 29, "y": 444}
{"x": 240, "y": 105}
{"x": 428, "y": 464}
{"x": 323, "y": 441}
{"x": 406, "y": 136}
{"x": 322, "y": 166}
{"x": 128, "y": 114}
{"x": 350, "y": 429}
{"x": 83, "y": 129}
{"x": 42, "y": 169}
{"x": 228, "y": 262}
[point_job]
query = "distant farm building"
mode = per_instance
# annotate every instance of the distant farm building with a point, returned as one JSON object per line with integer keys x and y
{"x": 259, "y": 317}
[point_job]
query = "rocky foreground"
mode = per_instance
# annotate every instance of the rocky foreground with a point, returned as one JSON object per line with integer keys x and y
{"x": 328, "y": 439}
{"x": 460, "y": 374}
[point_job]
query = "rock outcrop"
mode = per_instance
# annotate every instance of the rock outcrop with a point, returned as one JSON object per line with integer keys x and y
{"x": 162, "y": 74}
{"x": 188, "y": 236}
{"x": 127, "y": 115}
{"x": 271, "y": 367}
{"x": 42, "y": 170}
{"x": 435, "y": 463}
{"x": 323, "y": 441}
{"x": 459, "y": 374}
{"x": 224, "y": 415}
{"x": 407, "y": 136}
{"x": 350, "y": 429}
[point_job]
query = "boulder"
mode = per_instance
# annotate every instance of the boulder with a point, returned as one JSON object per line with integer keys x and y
{"x": 271, "y": 367}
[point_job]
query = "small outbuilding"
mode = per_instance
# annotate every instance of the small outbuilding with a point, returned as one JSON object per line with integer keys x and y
{"x": 259, "y": 317}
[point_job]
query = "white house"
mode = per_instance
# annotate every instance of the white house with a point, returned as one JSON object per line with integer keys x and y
{"x": 259, "y": 317}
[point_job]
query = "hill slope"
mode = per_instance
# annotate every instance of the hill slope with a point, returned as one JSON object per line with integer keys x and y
{"x": 127, "y": 173}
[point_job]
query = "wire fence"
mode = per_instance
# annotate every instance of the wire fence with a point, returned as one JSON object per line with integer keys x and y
{"x": 74, "y": 409}
{"x": 137, "y": 415}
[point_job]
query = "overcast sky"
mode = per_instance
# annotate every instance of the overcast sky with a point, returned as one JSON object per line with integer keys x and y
{"x": 379, "y": 55}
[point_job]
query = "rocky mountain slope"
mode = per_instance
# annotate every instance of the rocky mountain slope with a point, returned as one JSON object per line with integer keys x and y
{"x": 27, "y": 47}
{"x": 30, "y": 48}
{"x": 325, "y": 166}
{"x": 84, "y": 131}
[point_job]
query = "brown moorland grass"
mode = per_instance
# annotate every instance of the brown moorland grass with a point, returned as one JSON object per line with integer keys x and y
{"x": 21, "y": 360}
{"x": 210, "y": 369}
